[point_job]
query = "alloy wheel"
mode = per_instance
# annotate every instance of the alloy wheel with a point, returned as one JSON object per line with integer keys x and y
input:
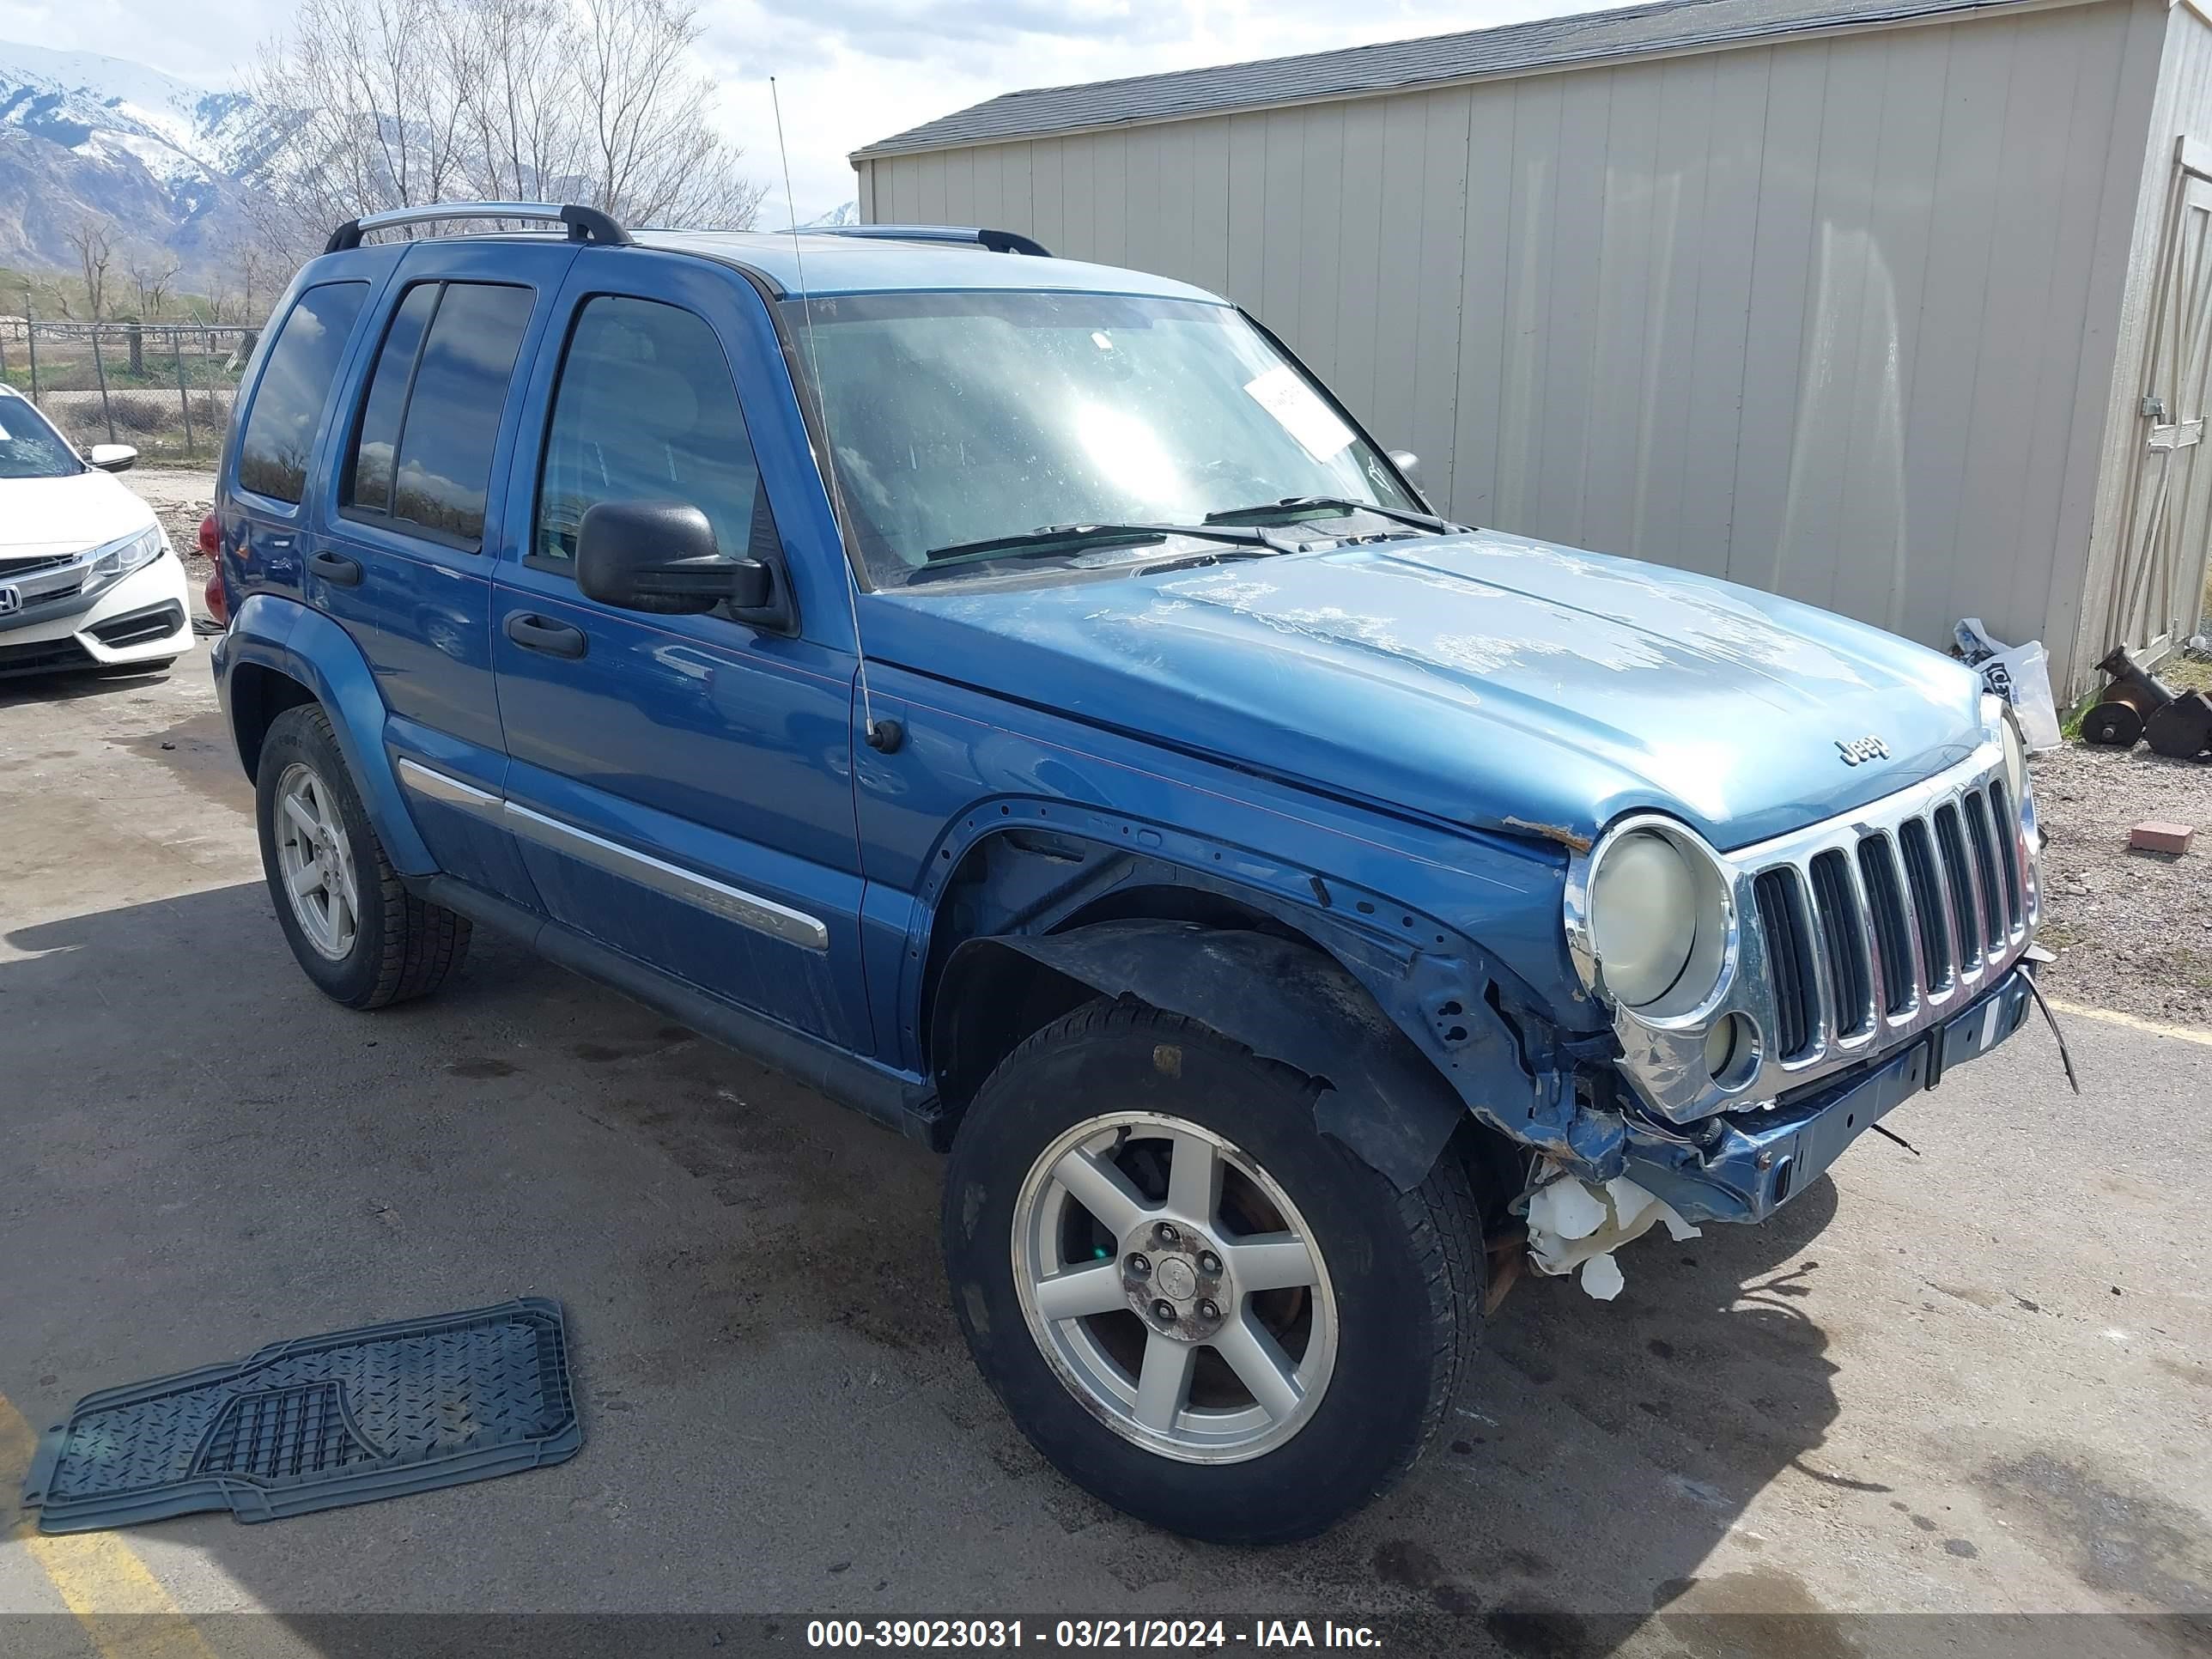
{"x": 1174, "y": 1287}
{"x": 316, "y": 862}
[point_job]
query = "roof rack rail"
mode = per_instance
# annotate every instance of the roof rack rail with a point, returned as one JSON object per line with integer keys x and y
{"x": 998, "y": 241}
{"x": 585, "y": 224}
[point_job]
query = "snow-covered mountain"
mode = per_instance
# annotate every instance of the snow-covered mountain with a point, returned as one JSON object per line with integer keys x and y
{"x": 847, "y": 214}
{"x": 161, "y": 162}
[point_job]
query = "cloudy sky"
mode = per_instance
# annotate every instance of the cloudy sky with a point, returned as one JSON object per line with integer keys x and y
{"x": 850, "y": 71}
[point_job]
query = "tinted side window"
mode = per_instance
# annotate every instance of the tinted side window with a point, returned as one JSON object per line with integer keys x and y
{"x": 280, "y": 431}
{"x": 423, "y": 448}
{"x": 645, "y": 410}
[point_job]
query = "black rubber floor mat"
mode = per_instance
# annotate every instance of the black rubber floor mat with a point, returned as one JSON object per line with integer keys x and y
{"x": 312, "y": 1425}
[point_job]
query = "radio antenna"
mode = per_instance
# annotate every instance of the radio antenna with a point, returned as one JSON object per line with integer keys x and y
{"x": 884, "y": 736}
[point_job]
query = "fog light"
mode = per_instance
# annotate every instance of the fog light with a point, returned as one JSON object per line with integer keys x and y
{"x": 1731, "y": 1050}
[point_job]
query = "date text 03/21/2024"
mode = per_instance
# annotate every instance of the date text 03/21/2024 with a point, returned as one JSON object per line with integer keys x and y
{"x": 1001, "y": 1635}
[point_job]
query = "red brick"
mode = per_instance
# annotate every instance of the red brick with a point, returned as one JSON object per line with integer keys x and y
{"x": 2156, "y": 837}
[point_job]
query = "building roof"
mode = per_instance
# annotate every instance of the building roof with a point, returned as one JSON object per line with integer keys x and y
{"x": 1394, "y": 65}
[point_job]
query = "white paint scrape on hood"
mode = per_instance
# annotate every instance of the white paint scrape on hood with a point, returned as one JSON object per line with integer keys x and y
{"x": 44, "y": 516}
{"x": 1573, "y": 1223}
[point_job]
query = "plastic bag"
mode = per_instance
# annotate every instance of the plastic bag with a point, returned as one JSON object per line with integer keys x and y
{"x": 2021, "y": 674}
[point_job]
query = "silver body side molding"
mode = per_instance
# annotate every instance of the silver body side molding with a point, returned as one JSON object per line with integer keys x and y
{"x": 452, "y": 791}
{"x": 763, "y": 916}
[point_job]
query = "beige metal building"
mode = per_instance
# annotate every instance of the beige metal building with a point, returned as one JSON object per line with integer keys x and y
{"x": 1898, "y": 305}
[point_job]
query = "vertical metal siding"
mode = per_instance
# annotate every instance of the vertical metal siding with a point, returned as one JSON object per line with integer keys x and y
{"x": 2176, "y": 45}
{"x": 1820, "y": 316}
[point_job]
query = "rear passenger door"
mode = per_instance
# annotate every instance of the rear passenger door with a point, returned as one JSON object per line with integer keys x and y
{"x": 410, "y": 525}
{"x": 683, "y": 783}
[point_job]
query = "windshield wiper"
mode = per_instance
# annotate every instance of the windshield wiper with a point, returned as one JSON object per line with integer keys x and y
{"x": 1062, "y": 537}
{"x": 1292, "y": 506}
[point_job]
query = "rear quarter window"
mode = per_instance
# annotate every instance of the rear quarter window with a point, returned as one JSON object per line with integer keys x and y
{"x": 279, "y": 439}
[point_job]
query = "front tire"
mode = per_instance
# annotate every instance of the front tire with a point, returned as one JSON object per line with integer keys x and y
{"x": 363, "y": 938}
{"x": 1196, "y": 1305}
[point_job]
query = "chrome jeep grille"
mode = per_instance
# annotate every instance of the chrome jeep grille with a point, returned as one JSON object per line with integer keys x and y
{"x": 1875, "y": 921}
{"x": 1844, "y": 939}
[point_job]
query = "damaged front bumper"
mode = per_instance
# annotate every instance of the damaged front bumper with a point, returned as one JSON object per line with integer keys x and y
{"x": 1744, "y": 1166}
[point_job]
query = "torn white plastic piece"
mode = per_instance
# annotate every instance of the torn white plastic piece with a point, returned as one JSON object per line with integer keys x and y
{"x": 1575, "y": 1224}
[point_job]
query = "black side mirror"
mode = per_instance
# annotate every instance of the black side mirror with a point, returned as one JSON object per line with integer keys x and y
{"x": 660, "y": 556}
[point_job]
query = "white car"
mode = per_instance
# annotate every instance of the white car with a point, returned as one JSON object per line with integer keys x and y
{"x": 87, "y": 578}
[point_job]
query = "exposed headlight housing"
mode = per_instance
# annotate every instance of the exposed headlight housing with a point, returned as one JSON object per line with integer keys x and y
{"x": 1652, "y": 920}
{"x": 117, "y": 559}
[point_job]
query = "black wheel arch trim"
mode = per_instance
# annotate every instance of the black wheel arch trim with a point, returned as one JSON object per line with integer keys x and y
{"x": 1381, "y": 1097}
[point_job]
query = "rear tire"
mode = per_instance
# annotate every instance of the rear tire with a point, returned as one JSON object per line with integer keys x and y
{"x": 1365, "y": 1338}
{"x": 363, "y": 938}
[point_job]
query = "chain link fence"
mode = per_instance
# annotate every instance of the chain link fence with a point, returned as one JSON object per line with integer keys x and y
{"x": 165, "y": 388}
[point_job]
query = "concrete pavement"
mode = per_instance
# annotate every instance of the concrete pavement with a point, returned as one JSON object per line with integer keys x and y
{"x": 1972, "y": 1382}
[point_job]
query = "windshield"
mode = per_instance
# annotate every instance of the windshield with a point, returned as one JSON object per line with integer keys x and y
{"x": 963, "y": 418}
{"x": 29, "y": 448}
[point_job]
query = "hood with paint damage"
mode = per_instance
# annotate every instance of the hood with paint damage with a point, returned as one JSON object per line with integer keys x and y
{"x": 1482, "y": 679}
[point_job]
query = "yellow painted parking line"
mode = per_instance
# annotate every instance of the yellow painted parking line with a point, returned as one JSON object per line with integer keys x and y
{"x": 115, "y": 1596}
{"x": 2135, "y": 1022}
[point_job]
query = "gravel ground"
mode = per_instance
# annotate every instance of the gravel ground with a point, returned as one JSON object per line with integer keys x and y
{"x": 2133, "y": 931}
{"x": 180, "y": 498}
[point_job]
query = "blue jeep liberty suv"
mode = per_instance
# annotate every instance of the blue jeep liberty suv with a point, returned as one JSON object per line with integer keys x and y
{"x": 1014, "y": 697}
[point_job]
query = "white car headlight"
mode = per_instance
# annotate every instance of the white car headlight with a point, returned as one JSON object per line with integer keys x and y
{"x": 118, "y": 559}
{"x": 1657, "y": 917}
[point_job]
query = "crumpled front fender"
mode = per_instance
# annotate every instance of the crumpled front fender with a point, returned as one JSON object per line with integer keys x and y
{"x": 1286, "y": 1001}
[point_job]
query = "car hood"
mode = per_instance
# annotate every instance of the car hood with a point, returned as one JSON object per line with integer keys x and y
{"x": 40, "y": 517}
{"x": 1482, "y": 679}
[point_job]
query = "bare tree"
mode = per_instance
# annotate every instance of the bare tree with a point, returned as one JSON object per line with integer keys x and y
{"x": 152, "y": 272}
{"x": 655, "y": 158}
{"x": 400, "y": 103}
{"x": 163, "y": 280}
{"x": 372, "y": 122}
{"x": 94, "y": 256}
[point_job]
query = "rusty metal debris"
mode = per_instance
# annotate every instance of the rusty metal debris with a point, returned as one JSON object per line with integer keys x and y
{"x": 2183, "y": 729}
{"x": 2137, "y": 704}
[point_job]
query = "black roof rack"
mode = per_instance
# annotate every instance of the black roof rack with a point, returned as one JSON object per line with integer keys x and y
{"x": 585, "y": 224}
{"x": 998, "y": 241}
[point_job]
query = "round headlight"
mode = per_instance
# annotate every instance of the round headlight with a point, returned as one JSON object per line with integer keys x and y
{"x": 1644, "y": 917}
{"x": 1656, "y": 920}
